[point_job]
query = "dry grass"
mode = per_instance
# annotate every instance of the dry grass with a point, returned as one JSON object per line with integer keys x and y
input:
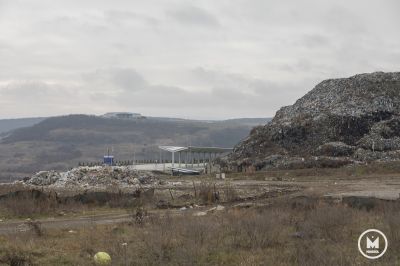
{"x": 207, "y": 192}
{"x": 282, "y": 234}
{"x": 31, "y": 203}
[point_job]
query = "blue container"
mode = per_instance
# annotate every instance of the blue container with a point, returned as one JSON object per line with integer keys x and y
{"x": 108, "y": 160}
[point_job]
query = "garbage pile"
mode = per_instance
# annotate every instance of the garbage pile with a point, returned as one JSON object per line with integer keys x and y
{"x": 93, "y": 177}
{"x": 356, "y": 119}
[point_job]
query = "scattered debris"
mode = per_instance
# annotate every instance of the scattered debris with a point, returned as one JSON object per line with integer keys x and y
{"x": 23, "y": 228}
{"x": 220, "y": 208}
{"x": 94, "y": 177}
{"x": 300, "y": 235}
{"x": 213, "y": 209}
{"x": 200, "y": 214}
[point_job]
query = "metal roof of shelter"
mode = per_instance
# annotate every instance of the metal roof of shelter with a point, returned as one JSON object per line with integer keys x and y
{"x": 209, "y": 149}
{"x": 195, "y": 149}
{"x": 173, "y": 148}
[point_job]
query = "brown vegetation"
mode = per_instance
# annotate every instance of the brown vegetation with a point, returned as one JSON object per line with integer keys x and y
{"x": 283, "y": 234}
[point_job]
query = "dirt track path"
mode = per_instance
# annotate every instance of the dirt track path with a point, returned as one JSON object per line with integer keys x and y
{"x": 20, "y": 226}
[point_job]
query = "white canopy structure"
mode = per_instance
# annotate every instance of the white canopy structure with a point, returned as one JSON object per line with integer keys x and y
{"x": 173, "y": 149}
{"x": 191, "y": 150}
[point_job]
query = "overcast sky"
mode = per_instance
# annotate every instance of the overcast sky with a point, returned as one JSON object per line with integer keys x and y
{"x": 208, "y": 59}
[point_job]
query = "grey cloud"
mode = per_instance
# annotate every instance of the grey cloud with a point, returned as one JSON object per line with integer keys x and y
{"x": 3, "y": 5}
{"x": 33, "y": 91}
{"x": 4, "y": 46}
{"x": 127, "y": 87}
{"x": 111, "y": 89}
{"x": 237, "y": 82}
{"x": 194, "y": 15}
{"x": 247, "y": 93}
{"x": 74, "y": 25}
{"x": 116, "y": 78}
{"x": 121, "y": 17}
{"x": 220, "y": 79}
{"x": 315, "y": 41}
{"x": 167, "y": 99}
{"x": 165, "y": 57}
{"x": 232, "y": 96}
{"x": 128, "y": 79}
{"x": 38, "y": 98}
{"x": 344, "y": 21}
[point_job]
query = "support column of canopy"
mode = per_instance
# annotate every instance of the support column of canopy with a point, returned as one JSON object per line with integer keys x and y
{"x": 173, "y": 150}
{"x": 209, "y": 161}
{"x": 201, "y": 154}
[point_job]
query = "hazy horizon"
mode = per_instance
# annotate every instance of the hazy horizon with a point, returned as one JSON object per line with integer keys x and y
{"x": 187, "y": 59}
{"x": 189, "y": 118}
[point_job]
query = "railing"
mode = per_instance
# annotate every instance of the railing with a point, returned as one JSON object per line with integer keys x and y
{"x": 141, "y": 162}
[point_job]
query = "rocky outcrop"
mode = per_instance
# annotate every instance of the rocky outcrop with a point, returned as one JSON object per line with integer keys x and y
{"x": 352, "y": 118}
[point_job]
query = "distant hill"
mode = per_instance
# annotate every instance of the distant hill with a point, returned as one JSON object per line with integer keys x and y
{"x": 63, "y": 142}
{"x": 248, "y": 121}
{"x": 7, "y": 125}
{"x": 241, "y": 121}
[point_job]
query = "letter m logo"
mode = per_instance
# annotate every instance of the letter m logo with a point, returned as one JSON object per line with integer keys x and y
{"x": 373, "y": 244}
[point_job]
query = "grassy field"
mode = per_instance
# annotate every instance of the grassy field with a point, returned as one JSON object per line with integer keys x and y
{"x": 283, "y": 234}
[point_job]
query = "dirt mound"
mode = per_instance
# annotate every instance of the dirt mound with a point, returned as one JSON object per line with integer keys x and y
{"x": 351, "y": 117}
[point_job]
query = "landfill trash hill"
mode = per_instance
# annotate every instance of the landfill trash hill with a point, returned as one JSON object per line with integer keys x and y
{"x": 93, "y": 178}
{"x": 340, "y": 121}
